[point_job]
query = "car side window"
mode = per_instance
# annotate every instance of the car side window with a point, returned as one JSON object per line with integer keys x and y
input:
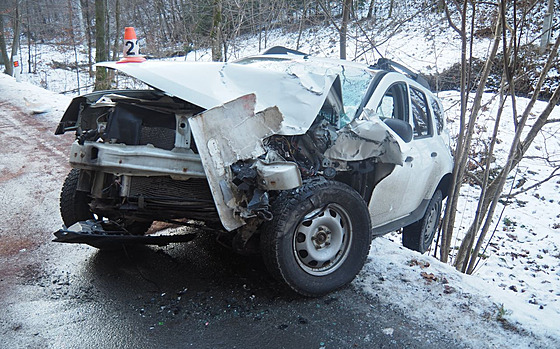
{"x": 420, "y": 114}
{"x": 394, "y": 104}
{"x": 438, "y": 114}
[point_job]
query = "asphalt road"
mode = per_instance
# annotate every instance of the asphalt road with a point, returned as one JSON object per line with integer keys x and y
{"x": 195, "y": 294}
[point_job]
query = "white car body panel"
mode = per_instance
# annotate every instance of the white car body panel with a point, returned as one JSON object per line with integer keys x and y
{"x": 298, "y": 93}
{"x": 408, "y": 185}
{"x": 222, "y": 139}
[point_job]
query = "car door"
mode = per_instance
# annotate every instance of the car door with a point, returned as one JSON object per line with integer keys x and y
{"x": 424, "y": 162}
{"x": 402, "y": 191}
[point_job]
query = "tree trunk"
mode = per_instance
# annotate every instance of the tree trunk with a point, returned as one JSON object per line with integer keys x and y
{"x": 5, "y": 58}
{"x": 461, "y": 160}
{"x": 117, "y": 30}
{"x": 346, "y": 7}
{"x": 74, "y": 43}
{"x": 89, "y": 39}
{"x": 101, "y": 81}
{"x": 79, "y": 23}
{"x": 370, "y": 9}
{"x": 451, "y": 207}
{"x": 547, "y": 26}
{"x": 216, "y": 32}
{"x": 15, "y": 40}
{"x": 301, "y": 21}
{"x": 465, "y": 137}
{"x": 28, "y": 38}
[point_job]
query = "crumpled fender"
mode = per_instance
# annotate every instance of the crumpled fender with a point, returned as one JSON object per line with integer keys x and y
{"x": 225, "y": 135}
{"x": 364, "y": 139}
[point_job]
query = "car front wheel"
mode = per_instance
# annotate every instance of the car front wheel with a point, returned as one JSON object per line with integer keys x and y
{"x": 74, "y": 204}
{"x": 319, "y": 237}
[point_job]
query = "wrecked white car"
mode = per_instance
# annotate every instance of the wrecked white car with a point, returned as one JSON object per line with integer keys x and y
{"x": 303, "y": 159}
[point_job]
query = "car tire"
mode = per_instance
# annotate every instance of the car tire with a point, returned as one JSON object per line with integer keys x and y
{"x": 319, "y": 237}
{"x": 74, "y": 204}
{"x": 419, "y": 235}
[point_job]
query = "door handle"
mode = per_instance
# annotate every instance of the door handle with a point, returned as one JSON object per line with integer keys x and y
{"x": 434, "y": 154}
{"x": 409, "y": 159}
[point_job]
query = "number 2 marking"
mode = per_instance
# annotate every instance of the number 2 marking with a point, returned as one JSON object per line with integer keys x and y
{"x": 131, "y": 44}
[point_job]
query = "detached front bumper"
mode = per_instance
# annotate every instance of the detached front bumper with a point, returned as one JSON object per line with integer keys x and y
{"x": 103, "y": 234}
{"x": 136, "y": 160}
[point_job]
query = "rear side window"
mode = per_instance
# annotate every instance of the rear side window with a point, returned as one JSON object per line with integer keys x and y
{"x": 420, "y": 114}
{"x": 438, "y": 114}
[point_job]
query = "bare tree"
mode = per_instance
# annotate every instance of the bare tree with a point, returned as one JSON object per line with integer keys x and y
{"x": 13, "y": 13}
{"x": 346, "y": 7}
{"x": 216, "y": 32}
{"x": 491, "y": 190}
{"x": 465, "y": 130}
{"x": 101, "y": 54}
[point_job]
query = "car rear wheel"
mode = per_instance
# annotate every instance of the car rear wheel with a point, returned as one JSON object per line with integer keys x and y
{"x": 319, "y": 237}
{"x": 419, "y": 235}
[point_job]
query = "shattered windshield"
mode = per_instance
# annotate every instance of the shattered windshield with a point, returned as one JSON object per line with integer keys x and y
{"x": 355, "y": 83}
{"x": 354, "y": 80}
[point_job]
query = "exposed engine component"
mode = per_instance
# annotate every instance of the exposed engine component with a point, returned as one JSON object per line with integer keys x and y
{"x": 255, "y": 200}
{"x": 307, "y": 150}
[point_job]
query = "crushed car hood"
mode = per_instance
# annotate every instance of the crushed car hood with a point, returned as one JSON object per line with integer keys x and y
{"x": 298, "y": 92}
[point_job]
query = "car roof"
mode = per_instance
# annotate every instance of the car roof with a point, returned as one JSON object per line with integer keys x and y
{"x": 383, "y": 64}
{"x": 308, "y": 60}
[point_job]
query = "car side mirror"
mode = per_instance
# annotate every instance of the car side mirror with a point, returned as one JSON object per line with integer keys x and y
{"x": 402, "y": 128}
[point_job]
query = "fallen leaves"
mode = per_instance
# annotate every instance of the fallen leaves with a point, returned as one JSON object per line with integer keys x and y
{"x": 413, "y": 262}
{"x": 429, "y": 277}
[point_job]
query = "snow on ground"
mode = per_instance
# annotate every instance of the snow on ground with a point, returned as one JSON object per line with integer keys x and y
{"x": 513, "y": 298}
{"x": 33, "y": 99}
{"x": 470, "y": 309}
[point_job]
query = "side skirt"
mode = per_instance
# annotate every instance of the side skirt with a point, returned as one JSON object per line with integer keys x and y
{"x": 413, "y": 217}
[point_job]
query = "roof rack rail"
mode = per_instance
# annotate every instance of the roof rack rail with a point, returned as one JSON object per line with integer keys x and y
{"x": 281, "y": 50}
{"x": 389, "y": 65}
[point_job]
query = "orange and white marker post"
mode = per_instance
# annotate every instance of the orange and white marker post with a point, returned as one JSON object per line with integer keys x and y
{"x": 17, "y": 68}
{"x": 131, "y": 52}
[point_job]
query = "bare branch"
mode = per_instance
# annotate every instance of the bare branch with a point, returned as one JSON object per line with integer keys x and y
{"x": 328, "y": 14}
{"x": 449, "y": 20}
{"x": 552, "y": 175}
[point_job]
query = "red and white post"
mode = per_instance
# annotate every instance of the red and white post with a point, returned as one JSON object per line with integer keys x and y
{"x": 17, "y": 68}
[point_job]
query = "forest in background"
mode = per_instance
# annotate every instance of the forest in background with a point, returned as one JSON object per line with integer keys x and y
{"x": 175, "y": 27}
